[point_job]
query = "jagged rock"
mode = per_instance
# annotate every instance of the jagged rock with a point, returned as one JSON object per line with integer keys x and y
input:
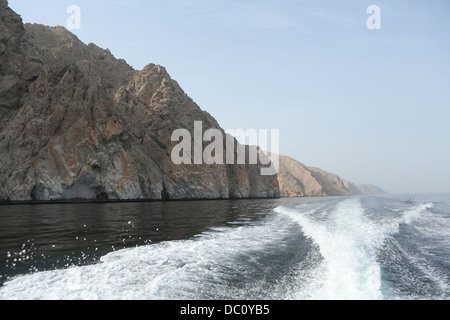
{"x": 352, "y": 188}
{"x": 370, "y": 189}
{"x": 77, "y": 123}
{"x": 298, "y": 180}
{"x": 19, "y": 64}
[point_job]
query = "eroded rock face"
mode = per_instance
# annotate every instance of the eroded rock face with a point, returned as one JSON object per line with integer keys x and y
{"x": 298, "y": 180}
{"x": 77, "y": 123}
{"x": 370, "y": 189}
{"x": 19, "y": 62}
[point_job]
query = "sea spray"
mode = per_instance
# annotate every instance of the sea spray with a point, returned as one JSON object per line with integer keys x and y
{"x": 349, "y": 243}
{"x": 346, "y": 241}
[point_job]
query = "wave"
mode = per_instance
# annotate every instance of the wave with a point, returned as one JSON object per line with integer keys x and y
{"x": 223, "y": 263}
{"x": 330, "y": 252}
{"x": 417, "y": 260}
{"x": 349, "y": 242}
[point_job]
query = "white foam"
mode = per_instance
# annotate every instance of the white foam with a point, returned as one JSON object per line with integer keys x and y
{"x": 186, "y": 269}
{"x": 346, "y": 240}
{"x": 390, "y": 225}
{"x": 201, "y": 267}
{"x": 349, "y": 243}
{"x": 435, "y": 231}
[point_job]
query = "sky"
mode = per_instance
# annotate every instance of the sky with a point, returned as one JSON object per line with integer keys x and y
{"x": 370, "y": 105}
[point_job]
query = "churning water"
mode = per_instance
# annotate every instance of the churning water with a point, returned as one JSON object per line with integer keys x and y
{"x": 362, "y": 247}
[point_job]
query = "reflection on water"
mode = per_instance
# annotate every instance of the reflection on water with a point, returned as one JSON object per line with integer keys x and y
{"x": 364, "y": 247}
{"x": 41, "y": 237}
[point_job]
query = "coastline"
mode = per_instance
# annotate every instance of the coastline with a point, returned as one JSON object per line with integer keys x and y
{"x": 84, "y": 201}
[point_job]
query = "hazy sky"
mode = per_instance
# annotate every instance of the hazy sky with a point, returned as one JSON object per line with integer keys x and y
{"x": 372, "y": 106}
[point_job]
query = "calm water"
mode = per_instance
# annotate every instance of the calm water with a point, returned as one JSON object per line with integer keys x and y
{"x": 377, "y": 247}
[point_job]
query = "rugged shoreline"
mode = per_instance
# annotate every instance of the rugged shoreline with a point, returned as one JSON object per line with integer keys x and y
{"x": 84, "y": 201}
{"x": 78, "y": 123}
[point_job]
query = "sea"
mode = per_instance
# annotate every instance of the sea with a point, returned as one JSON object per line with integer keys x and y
{"x": 383, "y": 247}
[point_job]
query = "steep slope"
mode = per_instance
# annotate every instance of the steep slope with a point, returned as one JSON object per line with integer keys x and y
{"x": 19, "y": 62}
{"x": 370, "y": 189}
{"x": 351, "y": 187}
{"x": 298, "y": 180}
{"x": 77, "y": 123}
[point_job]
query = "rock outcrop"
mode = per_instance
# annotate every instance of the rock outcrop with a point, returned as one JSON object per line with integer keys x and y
{"x": 77, "y": 123}
{"x": 352, "y": 188}
{"x": 370, "y": 189}
{"x": 298, "y": 180}
{"x": 19, "y": 62}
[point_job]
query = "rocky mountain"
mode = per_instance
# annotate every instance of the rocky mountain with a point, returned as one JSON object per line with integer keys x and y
{"x": 298, "y": 180}
{"x": 77, "y": 123}
{"x": 370, "y": 189}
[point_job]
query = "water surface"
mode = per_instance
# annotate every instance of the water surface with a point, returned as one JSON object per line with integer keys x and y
{"x": 362, "y": 247}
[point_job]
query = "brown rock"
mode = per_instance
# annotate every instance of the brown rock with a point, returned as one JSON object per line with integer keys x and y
{"x": 370, "y": 189}
{"x": 298, "y": 180}
{"x": 77, "y": 123}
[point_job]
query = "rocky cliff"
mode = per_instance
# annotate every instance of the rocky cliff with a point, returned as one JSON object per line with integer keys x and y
{"x": 298, "y": 180}
{"x": 370, "y": 189}
{"x": 77, "y": 123}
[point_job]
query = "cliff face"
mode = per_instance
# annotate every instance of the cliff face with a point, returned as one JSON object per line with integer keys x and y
{"x": 77, "y": 123}
{"x": 370, "y": 189}
{"x": 19, "y": 62}
{"x": 298, "y": 180}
